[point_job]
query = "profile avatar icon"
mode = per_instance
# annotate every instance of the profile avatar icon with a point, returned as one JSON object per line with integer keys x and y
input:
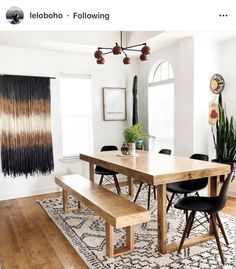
{"x": 14, "y": 15}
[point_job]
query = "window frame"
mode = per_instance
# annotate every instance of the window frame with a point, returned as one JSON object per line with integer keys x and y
{"x": 161, "y": 82}
{"x": 159, "y": 67}
{"x": 74, "y": 157}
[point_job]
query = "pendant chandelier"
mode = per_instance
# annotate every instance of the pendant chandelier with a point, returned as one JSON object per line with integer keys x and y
{"x": 118, "y": 49}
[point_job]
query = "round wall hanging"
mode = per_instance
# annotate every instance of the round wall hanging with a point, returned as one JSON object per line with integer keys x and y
{"x": 217, "y": 84}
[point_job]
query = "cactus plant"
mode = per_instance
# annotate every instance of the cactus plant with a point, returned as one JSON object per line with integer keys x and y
{"x": 224, "y": 136}
{"x": 135, "y": 101}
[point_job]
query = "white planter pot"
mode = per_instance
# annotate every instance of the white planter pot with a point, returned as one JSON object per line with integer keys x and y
{"x": 132, "y": 149}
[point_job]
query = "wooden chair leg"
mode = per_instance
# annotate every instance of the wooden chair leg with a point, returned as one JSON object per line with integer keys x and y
{"x": 213, "y": 221}
{"x": 186, "y": 211}
{"x": 149, "y": 196}
{"x": 191, "y": 224}
{"x": 222, "y": 229}
{"x": 167, "y": 198}
{"x": 186, "y": 230}
{"x": 154, "y": 192}
{"x": 117, "y": 184}
{"x": 170, "y": 202}
{"x": 101, "y": 180}
{"x": 186, "y": 214}
{"x": 138, "y": 191}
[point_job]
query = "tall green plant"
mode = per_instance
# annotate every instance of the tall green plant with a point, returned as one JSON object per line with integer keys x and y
{"x": 135, "y": 101}
{"x": 224, "y": 136}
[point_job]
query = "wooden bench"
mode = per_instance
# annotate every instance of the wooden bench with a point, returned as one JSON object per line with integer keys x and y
{"x": 117, "y": 211}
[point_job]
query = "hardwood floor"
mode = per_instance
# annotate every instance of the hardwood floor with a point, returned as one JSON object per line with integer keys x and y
{"x": 29, "y": 239}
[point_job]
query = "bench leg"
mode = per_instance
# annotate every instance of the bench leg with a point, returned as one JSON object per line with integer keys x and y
{"x": 109, "y": 240}
{"x": 130, "y": 237}
{"x": 65, "y": 201}
{"x": 110, "y": 250}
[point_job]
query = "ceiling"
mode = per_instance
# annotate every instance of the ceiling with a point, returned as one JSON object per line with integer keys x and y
{"x": 88, "y": 41}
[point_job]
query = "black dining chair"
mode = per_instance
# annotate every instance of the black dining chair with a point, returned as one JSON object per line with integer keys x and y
{"x": 210, "y": 206}
{"x": 106, "y": 174}
{"x": 189, "y": 186}
{"x": 145, "y": 185}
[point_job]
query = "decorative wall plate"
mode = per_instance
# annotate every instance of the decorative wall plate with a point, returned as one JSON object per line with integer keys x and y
{"x": 217, "y": 84}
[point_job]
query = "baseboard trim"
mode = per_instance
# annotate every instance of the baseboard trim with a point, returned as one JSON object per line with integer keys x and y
{"x": 29, "y": 193}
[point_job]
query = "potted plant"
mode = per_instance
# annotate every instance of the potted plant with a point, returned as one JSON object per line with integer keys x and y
{"x": 131, "y": 135}
{"x": 224, "y": 137}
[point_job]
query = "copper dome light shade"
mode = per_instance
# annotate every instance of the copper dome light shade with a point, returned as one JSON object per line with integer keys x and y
{"x": 118, "y": 49}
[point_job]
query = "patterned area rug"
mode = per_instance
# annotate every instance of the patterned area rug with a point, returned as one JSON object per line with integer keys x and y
{"x": 86, "y": 233}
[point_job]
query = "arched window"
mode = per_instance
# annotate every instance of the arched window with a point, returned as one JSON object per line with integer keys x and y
{"x": 161, "y": 107}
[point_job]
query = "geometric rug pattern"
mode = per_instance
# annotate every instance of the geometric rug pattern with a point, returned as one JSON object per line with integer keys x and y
{"x": 86, "y": 233}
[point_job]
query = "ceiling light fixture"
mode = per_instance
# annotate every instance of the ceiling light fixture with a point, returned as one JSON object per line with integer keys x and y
{"x": 118, "y": 49}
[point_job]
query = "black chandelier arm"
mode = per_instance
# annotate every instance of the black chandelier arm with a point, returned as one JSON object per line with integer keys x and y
{"x": 101, "y": 48}
{"x": 124, "y": 52}
{"x": 108, "y": 52}
{"x": 129, "y": 47}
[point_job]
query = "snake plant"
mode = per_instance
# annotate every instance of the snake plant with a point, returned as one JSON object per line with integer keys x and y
{"x": 224, "y": 136}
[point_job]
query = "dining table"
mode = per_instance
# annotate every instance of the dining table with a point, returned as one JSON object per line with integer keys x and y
{"x": 159, "y": 170}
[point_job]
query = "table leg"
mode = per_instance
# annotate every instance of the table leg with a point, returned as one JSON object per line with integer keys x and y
{"x": 214, "y": 185}
{"x": 161, "y": 219}
{"x": 91, "y": 171}
{"x": 131, "y": 185}
{"x": 65, "y": 201}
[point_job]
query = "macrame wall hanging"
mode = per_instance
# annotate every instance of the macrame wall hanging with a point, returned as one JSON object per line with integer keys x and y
{"x": 26, "y": 141}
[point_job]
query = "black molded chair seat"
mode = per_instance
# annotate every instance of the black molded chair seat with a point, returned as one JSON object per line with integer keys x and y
{"x": 103, "y": 171}
{"x": 193, "y": 203}
{"x": 106, "y": 173}
{"x": 145, "y": 185}
{"x": 186, "y": 186}
{"x": 209, "y": 206}
{"x": 189, "y": 186}
{"x": 165, "y": 151}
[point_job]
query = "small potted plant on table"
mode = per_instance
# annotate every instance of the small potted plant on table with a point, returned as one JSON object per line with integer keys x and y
{"x": 131, "y": 135}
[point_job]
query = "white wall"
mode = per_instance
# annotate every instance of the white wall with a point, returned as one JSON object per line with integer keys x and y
{"x": 206, "y": 63}
{"x": 228, "y": 62}
{"x": 49, "y": 63}
{"x": 184, "y": 98}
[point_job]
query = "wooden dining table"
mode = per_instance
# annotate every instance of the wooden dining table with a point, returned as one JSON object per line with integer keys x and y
{"x": 160, "y": 169}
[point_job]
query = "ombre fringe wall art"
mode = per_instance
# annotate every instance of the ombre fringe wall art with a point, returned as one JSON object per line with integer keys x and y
{"x": 25, "y": 111}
